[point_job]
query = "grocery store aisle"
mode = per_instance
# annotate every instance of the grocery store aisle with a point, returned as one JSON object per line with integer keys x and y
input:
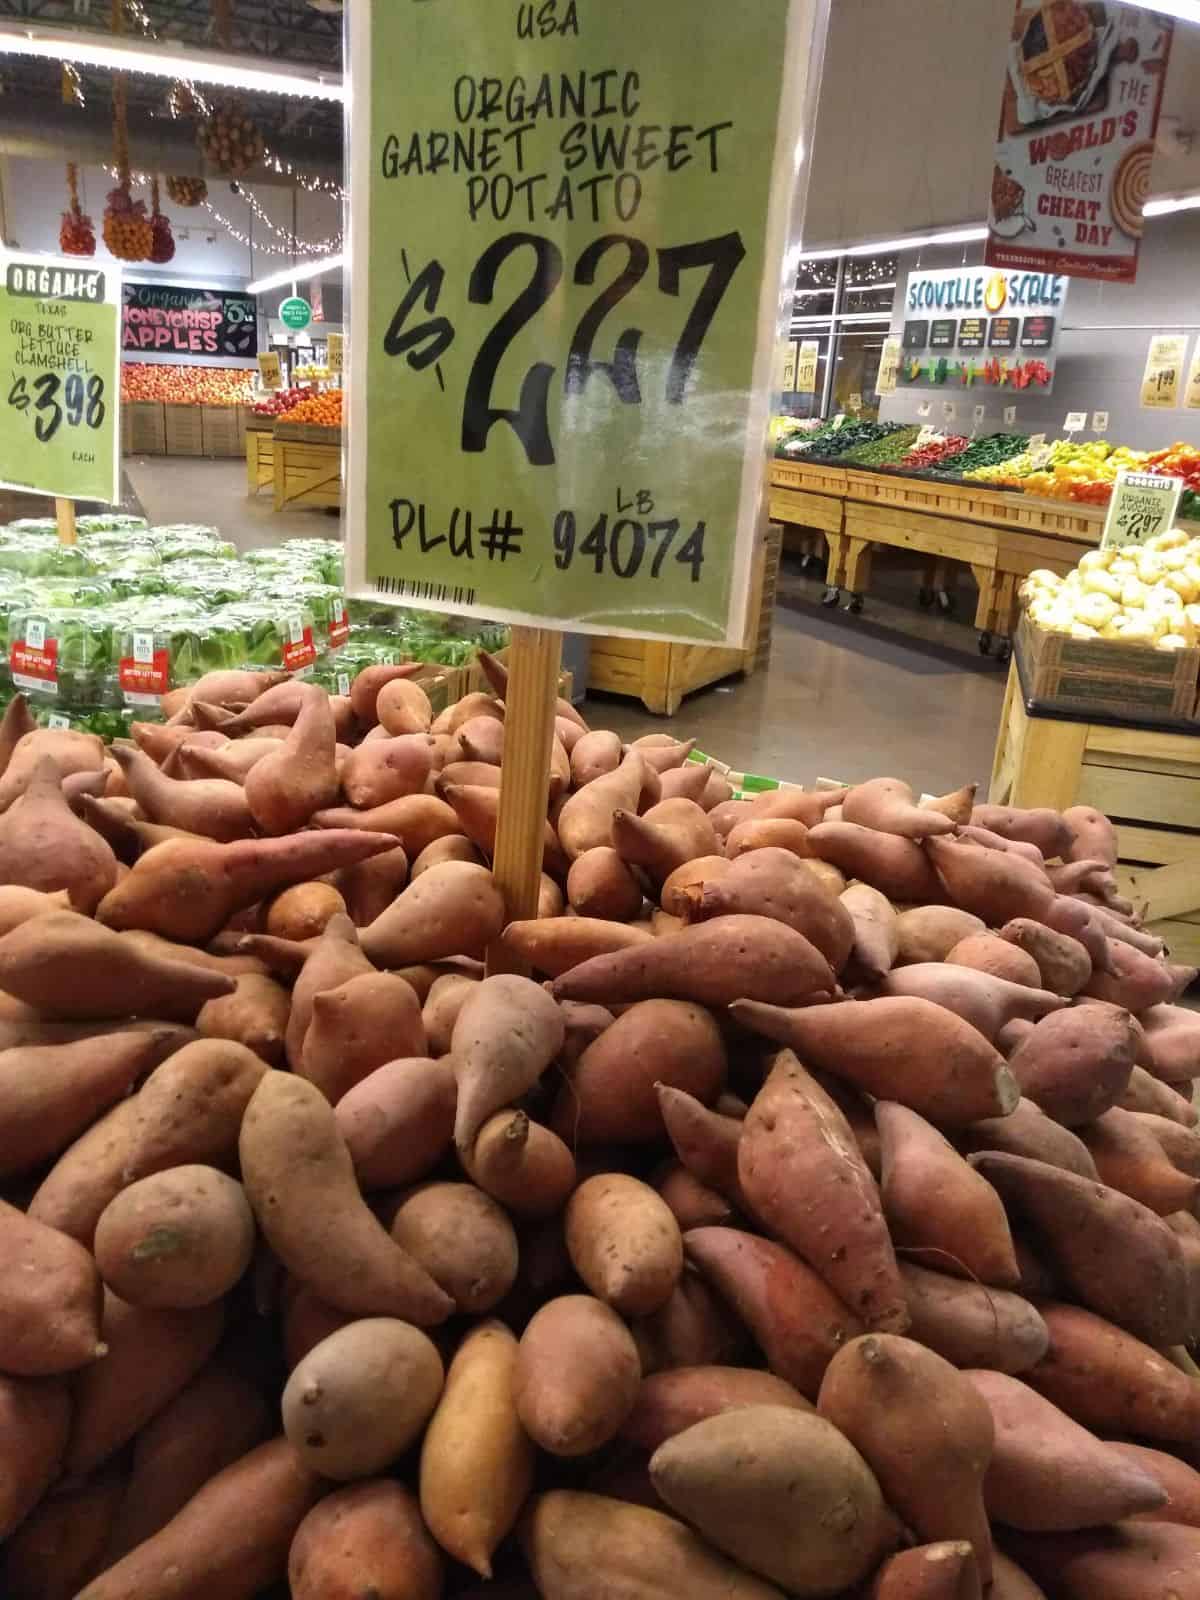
{"x": 896, "y": 690}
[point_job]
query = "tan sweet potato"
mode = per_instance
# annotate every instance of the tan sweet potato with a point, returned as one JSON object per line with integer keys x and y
{"x": 993, "y": 884}
{"x": 783, "y": 1492}
{"x": 506, "y": 1035}
{"x": 1118, "y": 1258}
{"x": 1130, "y": 1158}
{"x": 44, "y": 846}
{"x": 1049, "y": 1475}
{"x": 190, "y": 1109}
{"x": 523, "y": 1165}
{"x": 577, "y": 1375}
{"x": 943, "y": 1571}
{"x": 555, "y": 946}
{"x": 359, "y": 1026}
{"x": 925, "y": 1433}
{"x": 1152, "y": 1560}
{"x": 987, "y": 952}
{"x": 453, "y": 909}
{"x": 804, "y": 1177}
{"x": 756, "y": 833}
{"x": 35, "y": 1422}
{"x": 1146, "y": 1093}
{"x": 1027, "y": 1131}
{"x": 600, "y": 884}
{"x": 398, "y": 1122}
{"x": 1076, "y": 1064}
{"x": 300, "y": 1180}
{"x": 366, "y": 1539}
{"x": 595, "y": 755}
{"x": 899, "y": 1048}
{"x": 463, "y": 1240}
{"x": 669, "y": 1402}
{"x": 231, "y": 1538}
{"x": 585, "y": 821}
{"x": 448, "y": 994}
{"x": 971, "y": 1325}
{"x": 50, "y": 1310}
{"x": 624, "y": 1243}
{"x": 1063, "y": 963}
{"x": 177, "y": 1239}
{"x": 1110, "y": 1381}
{"x": 987, "y": 1002}
{"x": 937, "y": 1207}
{"x": 1180, "y": 1482}
{"x": 476, "y": 1461}
{"x": 665, "y": 837}
{"x": 359, "y": 1399}
{"x": 705, "y": 1141}
{"x": 68, "y": 749}
{"x": 571, "y": 1538}
{"x": 887, "y": 805}
{"x": 898, "y": 868}
{"x": 929, "y": 933}
{"x": 255, "y": 1015}
{"x": 150, "y": 1355}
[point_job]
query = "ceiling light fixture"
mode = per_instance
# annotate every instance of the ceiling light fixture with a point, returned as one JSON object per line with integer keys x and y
{"x": 300, "y": 273}
{"x": 1163, "y": 208}
{"x": 165, "y": 61}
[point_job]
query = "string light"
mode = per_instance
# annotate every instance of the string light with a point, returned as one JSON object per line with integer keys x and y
{"x": 305, "y": 247}
{"x": 284, "y": 167}
{"x": 325, "y": 247}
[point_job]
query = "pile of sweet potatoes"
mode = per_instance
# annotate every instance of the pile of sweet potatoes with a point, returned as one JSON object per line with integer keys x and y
{"x": 818, "y": 1220}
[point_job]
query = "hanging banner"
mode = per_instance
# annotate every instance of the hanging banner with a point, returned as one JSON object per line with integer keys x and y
{"x": 1003, "y": 332}
{"x": 1077, "y": 122}
{"x": 270, "y": 372}
{"x": 60, "y": 358}
{"x": 1163, "y": 377}
{"x": 569, "y": 225}
{"x": 785, "y": 367}
{"x": 806, "y": 367}
{"x": 889, "y": 366}
{"x": 176, "y": 319}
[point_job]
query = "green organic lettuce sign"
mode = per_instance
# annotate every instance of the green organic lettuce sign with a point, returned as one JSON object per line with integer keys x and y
{"x": 60, "y": 388}
{"x": 569, "y": 221}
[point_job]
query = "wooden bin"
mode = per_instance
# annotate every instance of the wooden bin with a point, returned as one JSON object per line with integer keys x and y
{"x": 1105, "y": 678}
{"x": 184, "y": 430}
{"x": 659, "y": 675}
{"x": 143, "y": 428}
{"x": 474, "y": 681}
{"x": 222, "y": 434}
{"x": 1147, "y": 780}
{"x": 260, "y": 457}
{"x": 307, "y": 473}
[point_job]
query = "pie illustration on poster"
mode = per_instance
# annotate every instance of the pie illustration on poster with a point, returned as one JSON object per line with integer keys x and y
{"x": 1078, "y": 117}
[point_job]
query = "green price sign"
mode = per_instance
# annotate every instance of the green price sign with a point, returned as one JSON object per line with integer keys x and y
{"x": 59, "y": 386}
{"x": 569, "y": 228}
{"x": 295, "y": 312}
{"x": 1142, "y": 506}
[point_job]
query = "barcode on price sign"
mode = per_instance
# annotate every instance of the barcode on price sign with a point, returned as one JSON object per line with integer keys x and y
{"x": 410, "y": 589}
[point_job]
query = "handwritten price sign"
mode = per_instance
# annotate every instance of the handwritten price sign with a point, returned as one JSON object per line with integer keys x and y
{"x": 59, "y": 353}
{"x": 569, "y": 254}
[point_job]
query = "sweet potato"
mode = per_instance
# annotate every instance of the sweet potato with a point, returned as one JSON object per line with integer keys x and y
{"x": 1094, "y": 836}
{"x": 177, "y": 1239}
{"x": 692, "y": 1329}
{"x": 301, "y": 911}
{"x": 1146, "y": 1093}
{"x": 67, "y": 749}
{"x": 368, "y": 887}
{"x": 624, "y": 1243}
{"x": 1172, "y": 1045}
{"x": 988, "y": 1003}
{"x": 326, "y": 963}
{"x": 1121, "y": 1260}
{"x": 15, "y": 724}
{"x": 255, "y": 1015}
{"x": 506, "y": 1035}
{"x": 971, "y": 1325}
{"x": 669, "y": 1402}
{"x": 576, "y": 1377}
{"x": 944, "y": 1571}
{"x": 1152, "y": 1560}
{"x": 667, "y": 836}
{"x": 610, "y": 1093}
{"x": 453, "y": 847}
{"x": 44, "y": 846}
{"x": 586, "y": 819}
{"x": 61, "y": 1544}
{"x": 1128, "y": 1157}
{"x": 1075, "y": 1065}
{"x": 1062, "y": 961}
{"x": 987, "y": 952}
{"x": 190, "y": 1109}
{"x": 1047, "y": 830}
{"x": 68, "y": 966}
{"x": 35, "y": 1422}
{"x": 1181, "y": 1145}
{"x": 783, "y": 1492}
{"x": 211, "y": 1422}
{"x": 876, "y": 939}
{"x": 929, "y": 933}
{"x": 595, "y": 755}
{"x": 398, "y": 1122}
{"x": 18, "y": 904}
{"x": 523, "y": 1165}
{"x": 937, "y": 1207}
{"x": 600, "y": 884}
{"x": 286, "y": 787}
{"x": 86, "y": 1176}
{"x": 50, "y": 1311}
{"x": 366, "y": 1539}
{"x": 887, "y": 805}
{"x": 556, "y": 946}
{"x": 231, "y": 1539}
{"x": 705, "y": 1141}
{"x": 463, "y": 1240}
{"x": 993, "y": 884}
{"x": 361, "y": 1397}
{"x": 899, "y": 1048}
{"x": 714, "y": 963}
{"x": 150, "y": 1355}
{"x": 414, "y": 821}
{"x": 359, "y": 1026}
{"x": 1049, "y": 1475}
{"x": 448, "y": 994}
{"x": 1027, "y": 1131}
{"x": 1135, "y": 981}
{"x": 476, "y": 1461}
{"x": 214, "y": 807}
{"x": 300, "y": 1180}
{"x": 1180, "y": 1482}
{"x": 453, "y": 909}
{"x": 897, "y": 867}
{"x": 477, "y": 808}
{"x": 573, "y": 1541}
{"x": 924, "y": 1431}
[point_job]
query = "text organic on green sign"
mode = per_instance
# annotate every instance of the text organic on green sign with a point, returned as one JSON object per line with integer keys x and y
{"x": 568, "y": 230}
{"x": 59, "y": 384}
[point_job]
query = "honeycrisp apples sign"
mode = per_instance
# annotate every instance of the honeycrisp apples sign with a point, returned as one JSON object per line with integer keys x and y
{"x": 568, "y": 230}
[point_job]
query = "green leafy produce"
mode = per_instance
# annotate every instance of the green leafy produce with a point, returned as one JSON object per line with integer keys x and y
{"x": 985, "y": 452}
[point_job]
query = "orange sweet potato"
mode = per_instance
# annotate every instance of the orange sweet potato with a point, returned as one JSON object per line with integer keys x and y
{"x": 993, "y": 884}
{"x": 254, "y": 1015}
{"x": 803, "y": 1176}
{"x": 665, "y": 837}
{"x": 1076, "y": 1064}
{"x": 1134, "y": 980}
{"x": 506, "y": 1035}
{"x": 1180, "y": 1482}
{"x": 1062, "y": 961}
{"x": 357, "y": 1027}
{"x": 44, "y": 846}
{"x": 600, "y": 884}
{"x": 1152, "y": 1560}
{"x": 368, "y": 1538}
{"x": 929, "y": 933}
{"x": 577, "y": 1375}
{"x": 669, "y": 1402}
{"x": 555, "y": 946}
{"x": 988, "y": 1003}
{"x": 887, "y": 805}
{"x": 705, "y": 1141}
{"x": 453, "y": 909}
{"x": 1027, "y": 1131}
{"x": 924, "y": 1431}
{"x": 624, "y": 1243}
{"x": 944, "y": 1571}
{"x": 987, "y": 952}
{"x": 190, "y": 1109}
{"x": 61, "y": 1544}
{"x": 1130, "y": 1158}
{"x": 899, "y": 1048}
{"x": 35, "y": 1421}
{"x": 1146, "y": 1093}
{"x": 398, "y": 1122}
{"x": 520, "y": 1163}
{"x": 897, "y": 867}
{"x": 50, "y": 1310}
{"x": 301, "y": 911}
{"x": 462, "y": 1238}
{"x": 971, "y": 1325}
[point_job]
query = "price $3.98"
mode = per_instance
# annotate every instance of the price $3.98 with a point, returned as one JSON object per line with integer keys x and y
{"x": 423, "y": 343}
{"x": 82, "y": 402}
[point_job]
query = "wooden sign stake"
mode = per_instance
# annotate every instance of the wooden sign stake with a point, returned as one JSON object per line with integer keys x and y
{"x": 533, "y": 669}
{"x": 64, "y": 512}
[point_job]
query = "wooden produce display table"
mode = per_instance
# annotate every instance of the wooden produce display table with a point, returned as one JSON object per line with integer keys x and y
{"x": 307, "y": 466}
{"x": 260, "y": 458}
{"x": 1146, "y": 779}
{"x": 659, "y": 675}
{"x": 1001, "y": 536}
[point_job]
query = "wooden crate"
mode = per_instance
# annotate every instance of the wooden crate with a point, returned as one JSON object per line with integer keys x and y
{"x": 1103, "y": 677}
{"x": 308, "y": 433}
{"x": 660, "y": 675}
{"x": 306, "y": 474}
{"x": 222, "y": 435}
{"x": 143, "y": 428}
{"x": 184, "y": 430}
{"x": 1147, "y": 780}
{"x": 814, "y": 476}
{"x": 260, "y": 460}
{"x": 474, "y": 681}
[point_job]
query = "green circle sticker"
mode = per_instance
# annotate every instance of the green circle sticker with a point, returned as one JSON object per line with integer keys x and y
{"x": 295, "y": 312}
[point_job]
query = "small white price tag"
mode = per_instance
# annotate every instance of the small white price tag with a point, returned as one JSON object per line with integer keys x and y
{"x": 1010, "y": 416}
{"x": 926, "y": 434}
{"x": 924, "y": 408}
{"x": 57, "y": 720}
{"x": 35, "y": 633}
{"x": 1075, "y": 421}
{"x": 839, "y": 419}
{"x": 295, "y": 628}
{"x": 143, "y": 648}
{"x": 854, "y": 403}
{"x": 1099, "y": 421}
{"x": 343, "y": 683}
{"x": 979, "y": 414}
{"x": 949, "y": 410}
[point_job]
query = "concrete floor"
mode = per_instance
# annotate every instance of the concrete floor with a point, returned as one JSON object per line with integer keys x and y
{"x": 896, "y": 690}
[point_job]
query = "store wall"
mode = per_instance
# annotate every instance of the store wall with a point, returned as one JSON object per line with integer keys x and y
{"x": 1102, "y": 347}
